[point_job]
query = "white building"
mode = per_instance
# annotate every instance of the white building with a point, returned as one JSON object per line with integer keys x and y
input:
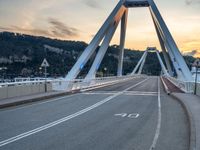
{"x": 194, "y": 73}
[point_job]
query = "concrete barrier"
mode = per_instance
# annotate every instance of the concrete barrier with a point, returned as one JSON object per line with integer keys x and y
{"x": 16, "y": 90}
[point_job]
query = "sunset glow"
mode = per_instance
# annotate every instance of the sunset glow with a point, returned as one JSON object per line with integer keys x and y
{"x": 81, "y": 19}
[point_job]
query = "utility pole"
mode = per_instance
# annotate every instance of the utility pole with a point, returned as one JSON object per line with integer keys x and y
{"x": 45, "y": 64}
{"x": 196, "y": 75}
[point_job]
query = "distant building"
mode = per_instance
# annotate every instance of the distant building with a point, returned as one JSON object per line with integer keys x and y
{"x": 194, "y": 69}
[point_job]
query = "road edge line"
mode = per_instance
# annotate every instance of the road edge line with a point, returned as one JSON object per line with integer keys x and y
{"x": 192, "y": 128}
{"x": 158, "y": 127}
{"x": 165, "y": 86}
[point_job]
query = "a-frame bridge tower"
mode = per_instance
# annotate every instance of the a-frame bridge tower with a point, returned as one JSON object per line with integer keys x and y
{"x": 172, "y": 55}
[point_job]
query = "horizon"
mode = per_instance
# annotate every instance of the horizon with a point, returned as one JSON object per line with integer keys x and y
{"x": 67, "y": 21}
{"x": 132, "y": 49}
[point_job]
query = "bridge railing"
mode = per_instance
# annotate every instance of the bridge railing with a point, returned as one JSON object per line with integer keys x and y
{"x": 15, "y": 89}
{"x": 77, "y": 84}
{"x": 187, "y": 87}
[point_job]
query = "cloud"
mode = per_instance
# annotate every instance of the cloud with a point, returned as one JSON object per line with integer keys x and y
{"x": 194, "y": 53}
{"x": 189, "y": 2}
{"x": 27, "y": 31}
{"x": 61, "y": 30}
{"x": 56, "y": 29}
{"x": 92, "y": 3}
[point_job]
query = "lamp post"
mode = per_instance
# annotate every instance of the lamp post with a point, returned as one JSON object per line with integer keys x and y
{"x": 196, "y": 76}
{"x": 105, "y": 71}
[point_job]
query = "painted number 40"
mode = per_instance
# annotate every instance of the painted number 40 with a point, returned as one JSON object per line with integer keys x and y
{"x": 134, "y": 115}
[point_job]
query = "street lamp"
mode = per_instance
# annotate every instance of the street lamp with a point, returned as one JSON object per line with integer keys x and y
{"x": 197, "y": 63}
{"x": 105, "y": 69}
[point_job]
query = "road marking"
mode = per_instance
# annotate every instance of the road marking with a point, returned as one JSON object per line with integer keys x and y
{"x": 159, "y": 120}
{"x": 52, "y": 124}
{"x": 121, "y": 115}
{"x": 128, "y": 94}
{"x": 133, "y": 115}
{"x": 139, "y": 93}
{"x": 97, "y": 93}
{"x": 134, "y": 94}
{"x": 142, "y": 92}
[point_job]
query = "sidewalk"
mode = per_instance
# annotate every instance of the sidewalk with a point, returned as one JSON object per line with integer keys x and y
{"x": 192, "y": 106}
{"x": 9, "y": 102}
{"x": 171, "y": 87}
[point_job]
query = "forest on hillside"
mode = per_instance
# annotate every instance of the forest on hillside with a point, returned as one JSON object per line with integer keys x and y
{"x": 21, "y": 56}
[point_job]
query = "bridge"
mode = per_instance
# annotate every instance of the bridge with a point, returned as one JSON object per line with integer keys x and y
{"x": 123, "y": 112}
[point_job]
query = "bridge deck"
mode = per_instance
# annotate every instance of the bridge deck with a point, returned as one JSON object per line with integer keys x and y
{"x": 118, "y": 117}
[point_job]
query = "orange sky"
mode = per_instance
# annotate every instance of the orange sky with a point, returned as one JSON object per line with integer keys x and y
{"x": 81, "y": 19}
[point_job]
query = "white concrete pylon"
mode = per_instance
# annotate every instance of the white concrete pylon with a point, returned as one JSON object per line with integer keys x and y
{"x": 162, "y": 64}
{"x": 171, "y": 54}
{"x": 164, "y": 51}
{"x": 139, "y": 63}
{"x": 122, "y": 43}
{"x": 166, "y": 40}
{"x": 142, "y": 64}
{"x": 82, "y": 60}
{"x": 182, "y": 67}
{"x": 103, "y": 49}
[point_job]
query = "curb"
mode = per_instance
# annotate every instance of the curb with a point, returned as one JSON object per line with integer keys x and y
{"x": 26, "y": 101}
{"x": 192, "y": 131}
{"x": 191, "y": 122}
{"x": 165, "y": 86}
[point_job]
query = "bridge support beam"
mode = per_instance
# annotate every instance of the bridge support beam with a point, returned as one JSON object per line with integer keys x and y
{"x": 164, "y": 51}
{"x": 107, "y": 30}
{"x": 142, "y": 64}
{"x": 143, "y": 59}
{"x": 171, "y": 54}
{"x": 162, "y": 64}
{"x": 181, "y": 68}
{"x": 83, "y": 59}
{"x": 122, "y": 43}
{"x": 103, "y": 49}
{"x": 139, "y": 63}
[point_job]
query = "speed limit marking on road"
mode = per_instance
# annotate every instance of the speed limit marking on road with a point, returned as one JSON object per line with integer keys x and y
{"x": 123, "y": 115}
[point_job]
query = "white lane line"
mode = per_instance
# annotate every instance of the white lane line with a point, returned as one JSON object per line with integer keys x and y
{"x": 159, "y": 120}
{"x": 95, "y": 93}
{"x": 113, "y": 92}
{"x": 142, "y": 92}
{"x": 134, "y": 94}
{"x": 128, "y": 94}
{"x": 52, "y": 124}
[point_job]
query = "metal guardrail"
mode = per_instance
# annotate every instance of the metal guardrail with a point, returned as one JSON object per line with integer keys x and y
{"x": 61, "y": 84}
{"x": 64, "y": 85}
{"x": 187, "y": 87}
{"x": 28, "y": 79}
{"x": 21, "y": 83}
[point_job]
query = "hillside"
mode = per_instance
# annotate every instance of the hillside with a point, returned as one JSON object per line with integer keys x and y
{"x": 22, "y": 55}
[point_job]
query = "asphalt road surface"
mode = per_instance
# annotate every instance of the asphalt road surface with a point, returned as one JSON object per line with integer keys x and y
{"x": 132, "y": 115}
